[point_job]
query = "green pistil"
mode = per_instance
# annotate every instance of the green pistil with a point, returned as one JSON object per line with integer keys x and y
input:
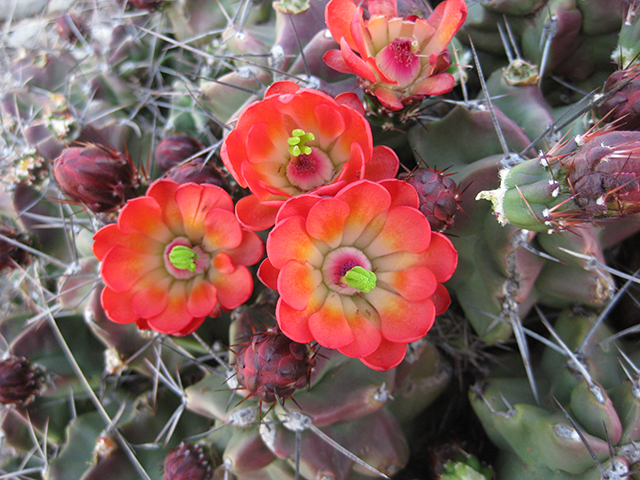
{"x": 297, "y": 142}
{"x": 183, "y": 258}
{"x": 360, "y": 279}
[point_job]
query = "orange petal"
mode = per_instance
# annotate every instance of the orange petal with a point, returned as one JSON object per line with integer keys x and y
{"x": 268, "y": 274}
{"x": 151, "y": 296}
{"x": 221, "y": 230}
{"x": 338, "y": 16}
{"x": 366, "y": 201}
{"x": 250, "y": 250}
{"x": 406, "y": 230}
{"x": 384, "y": 164}
{"x": 289, "y": 241}
{"x": 325, "y": 221}
{"x": 331, "y": 124}
{"x": 175, "y": 317}
{"x": 335, "y": 60}
{"x": 434, "y": 85}
{"x": 164, "y": 192}
{"x": 234, "y": 289}
{"x": 447, "y": 18}
{"x": 401, "y": 321}
{"x": 260, "y": 146}
{"x": 329, "y": 325}
{"x": 255, "y": 215}
{"x": 296, "y": 283}
{"x": 110, "y": 235}
{"x": 299, "y": 205}
{"x": 387, "y": 356}
{"x": 355, "y": 63}
{"x": 143, "y": 215}
{"x": 367, "y": 336}
{"x": 294, "y": 323}
{"x": 117, "y": 306}
{"x": 386, "y": 8}
{"x": 441, "y": 257}
{"x": 202, "y": 297}
{"x": 441, "y": 299}
{"x": 233, "y": 153}
{"x": 401, "y": 193}
{"x": 414, "y": 284}
{"x": 282, "y": 87}
{"x": 388, "y": 98}
{"x": 195, "y": 201}
{"x": 122, "y": 267}
{"x": 350, "y": 100}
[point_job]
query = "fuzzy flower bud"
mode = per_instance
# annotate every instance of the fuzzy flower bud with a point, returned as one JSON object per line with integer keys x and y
{"x": 272, "y": 366}
{"x": 20, "y": 381}
{"x": 101, "y": 178}
{"x": 438, "y": 196}
{"x": 188, "y": 462}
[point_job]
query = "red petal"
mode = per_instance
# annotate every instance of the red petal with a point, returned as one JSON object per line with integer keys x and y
{"x": 434, "y": 85}
{"x": 175, "y": 317}
{"x": 117, "y": 306}
{"x": 384, "y": 164}
{"x": 331, "y": 124}
{"x": 222, "y": 230}
{"x": 401, "y": 321}
{"x": 233, "y": 153}
{"x": 386, "y": 8}
{"x": 335, "y": 60}
{"x": 122, "y": 267}
{"x": 268, "y": 274}
{"x": 367, "y": 336}
{"x": 143, "y": 215}
{"x": 195, "y": 201}
{"x": 338, "y": 15}
{"x": 441, "y": 299}
{"x": 289, "y": 241}
{"x": 441, "y": 257}
{"x": 234, "y": 289}
{"x": 255, "y": 215}
{"x": 250, "y": 250}
{"x": 387, "y": 356}
{"x": 366, "y": 200}
{"x": 447, "y": 18}
{"x": 164, "y": 192}
{"x": 297, "y": 282}
{"x": 406, "y": 230}
{"x": 299, "y": 205}
{"x": 295, "y": 324}
{"x": 325, "y": 221}
{"x": 414, "y": 284}
{"x": 401, "y": 193}
{"x": 355, "y": 63}
{"x": 202, "y": 297}
{"x": 282, "y": 88}
{"x": 350, "y": 99}
{"x": 110, "y": 235}
{"x": 388, "y": 98}
{"x": 151, "y": 295}
{"x": 329, "y": 325}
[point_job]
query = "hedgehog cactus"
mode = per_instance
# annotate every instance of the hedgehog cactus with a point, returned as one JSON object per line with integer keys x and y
{"x": 213, "y": 269}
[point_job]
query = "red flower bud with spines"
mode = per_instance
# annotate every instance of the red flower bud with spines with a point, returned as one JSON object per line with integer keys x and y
{"x": 198, "y": 171}
{"x": 623, "y": 107}
{"x": 271, "y": 366}
{"x": 175, "y": 149}
{"x": 20, "y": 381}
{"x": 101, "y": 178}
{"x": 188, "y": 462}
{"x": 438, "y": 196}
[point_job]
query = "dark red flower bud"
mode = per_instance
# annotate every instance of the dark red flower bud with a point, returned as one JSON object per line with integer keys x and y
{"x": 188, "y": 462}
{"x": 20, "y": 381}
{"x": 438, "y": 196}
{"x": 623, "y": 107}
{"x": 11, "y": 254}
{"x": 101, "y": 178}
{"x": 176, "y": 149}
{"x": 69, "y": 26}
{"x": 149, "y": 5}
{"x": 272, "y": 366}
{"x": 197, "y": 171}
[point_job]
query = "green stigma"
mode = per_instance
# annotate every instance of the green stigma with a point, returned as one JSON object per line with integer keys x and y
{"x": 297, "y": 142}
{"x": 183, "y": 258}
{"x": 361, "y": 279}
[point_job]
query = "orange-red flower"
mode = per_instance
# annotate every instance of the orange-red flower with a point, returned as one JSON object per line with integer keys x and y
{"x": 360, "y": 272}
{"x": 175, "y": 256}
{"x": 397, "y": 59}
{"x": 296, "y": 140}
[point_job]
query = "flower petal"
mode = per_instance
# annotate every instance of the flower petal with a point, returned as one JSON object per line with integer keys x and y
{"x": 299, "y": 205}
{"x": 401, "y": 193}
{"x": 388, "y": 98}
{"x": 175, "y": 317}
{"x": 387, "y": 356}
{"x": 255, "y": 215}
{"x": 441, "y": 299}
{"x": 294, "y": 323}
{"x": 235, "y": 288}
{"x": 282, "y": 87}
{"x": 202, "y": 297}
{"x": 413, "y": 284}
{"x": 366, "y": 201}
{"x": 329, "y": 325}
{"x": 384, "y": 164}
{"x": 117, "y": 306}
{"x": 355, "y": 63}
{"x": 338, "y": 16}
{"x": 151, "y": 294}
{"x": 110, "y": 235}
{"x": 164, "y": 192}
{"x": 406, "y": 230}
{"x": 441, "y": 257}
{"x": 122, "y": 267}
{"x": 268, "y": 274}
{"x": 434, "y": 85}
{"x": 335, "y": 60}
{"x": 221, "y": 230}
{"x": 367, "y": 336}
{"x": 386, "y": 8}
{"x": 296, "y": 283}
{"x": 325, "y": 221}
{"x": 401, "y": 320}
{"x": 195, "y": 201}
{"x": 143, "y": 215}
{"x": 250, "y": 250}
{"x": 289, "y": 241}
{"x": 447, "y": 18}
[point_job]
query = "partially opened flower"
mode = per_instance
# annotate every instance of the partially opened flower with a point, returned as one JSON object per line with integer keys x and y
{"x": 360, "y": 272}
{"x": 175, "y": 256}
{"x": 297, "y": 140}
{"x": 397, "y": 59}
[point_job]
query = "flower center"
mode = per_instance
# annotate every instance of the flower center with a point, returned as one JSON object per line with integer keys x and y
{"x": 297, "y": 142}
{"x": 310, "y": 170}
{"x": 347, "y": 270}
{"x": 183, "y": 261}
{"x": 399, "y": 60}
{"x": 404, "y": 51}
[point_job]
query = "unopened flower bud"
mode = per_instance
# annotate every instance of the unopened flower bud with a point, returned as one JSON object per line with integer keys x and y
{"x": 188, "y": 462}
{"x": 11, "y": 254}
{"x": 20, "y": 381}
{"x": 101, "y": 178}
{"x": 198, "y": 171}
{"x": 176, "y": 149}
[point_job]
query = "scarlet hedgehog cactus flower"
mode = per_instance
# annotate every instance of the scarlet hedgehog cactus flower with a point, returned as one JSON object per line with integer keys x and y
{"x": 174, "y": 257}
{"x": 271, "y": 366}
{"x": 360, "y": 272}
{"x": 297, "y": 140}
{"x": 398, "y": 60}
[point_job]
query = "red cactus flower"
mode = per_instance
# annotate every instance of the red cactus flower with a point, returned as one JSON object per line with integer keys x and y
{"x": 296, "y": 140}
{"x": 360, "y": 272}
{"x": 397, "y": 59}
{"x": 174, "y": 257}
